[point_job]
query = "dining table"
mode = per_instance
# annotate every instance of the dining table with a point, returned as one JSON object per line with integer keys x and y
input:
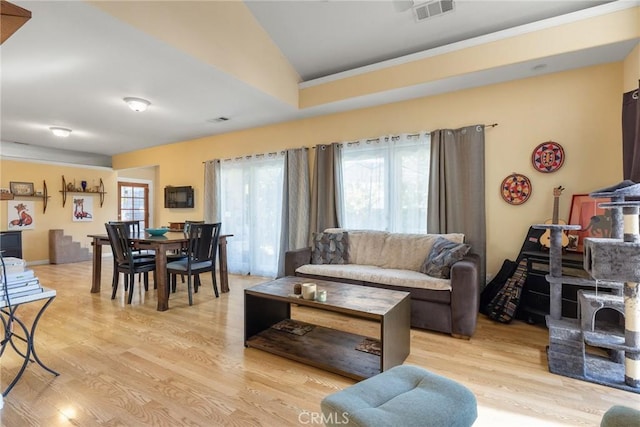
{"x": 172, "y": 240}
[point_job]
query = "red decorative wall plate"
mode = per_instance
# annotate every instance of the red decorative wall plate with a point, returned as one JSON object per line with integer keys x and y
{"x": 515, "y": 189}
{"x": 548, "y": 157}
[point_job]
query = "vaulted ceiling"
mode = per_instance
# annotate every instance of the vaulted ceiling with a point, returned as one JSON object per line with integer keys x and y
{"x": 262, "y": 62}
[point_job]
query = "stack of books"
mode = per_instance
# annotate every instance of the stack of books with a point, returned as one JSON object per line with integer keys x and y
{"x": 20, "y": 286}
{"x": 13, "y": 265}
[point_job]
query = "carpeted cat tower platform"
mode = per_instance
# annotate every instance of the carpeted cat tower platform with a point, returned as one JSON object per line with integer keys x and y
{"x": 593, "y": 348}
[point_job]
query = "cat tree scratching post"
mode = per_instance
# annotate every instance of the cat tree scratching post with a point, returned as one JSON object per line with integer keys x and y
{"x": 614, "y": 265}
{"x": 555, "y": 266}
{"x": 623, "y": 265}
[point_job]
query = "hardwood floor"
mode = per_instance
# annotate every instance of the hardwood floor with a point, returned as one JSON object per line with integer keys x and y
{"x": 129, "y": 365}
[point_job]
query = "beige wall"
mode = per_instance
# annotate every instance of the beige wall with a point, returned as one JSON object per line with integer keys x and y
{"x": 632, "y": 69}
{"x": 579, "y": 109}
{"x": 148, "y": 174}
{"x": 35, "y": 243}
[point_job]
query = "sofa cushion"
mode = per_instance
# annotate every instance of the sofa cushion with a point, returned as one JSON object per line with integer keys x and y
{"x": 393, "y": 250}
{"x": 375, "y": 274}
{"x": 365, "y": 246}
{"x": 330, "y": 248}
{"x": 442, "y": 256}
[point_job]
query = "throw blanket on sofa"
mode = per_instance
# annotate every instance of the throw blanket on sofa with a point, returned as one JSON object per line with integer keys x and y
{"x": 380, "y": 257}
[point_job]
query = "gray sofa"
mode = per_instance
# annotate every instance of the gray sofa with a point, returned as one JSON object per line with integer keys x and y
{"x": 393, "y": 261}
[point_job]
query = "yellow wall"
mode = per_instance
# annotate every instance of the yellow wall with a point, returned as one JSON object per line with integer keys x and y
{"x": 149, "y": 173}
{"x": 632, "y": 69}
{"x": 35, "y": 243}
{"x": 579, "y": 109}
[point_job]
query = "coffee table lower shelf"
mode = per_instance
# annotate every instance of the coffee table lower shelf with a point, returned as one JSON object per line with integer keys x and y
{"x": 268, "y": 326}
{"x": 325, "y": 348}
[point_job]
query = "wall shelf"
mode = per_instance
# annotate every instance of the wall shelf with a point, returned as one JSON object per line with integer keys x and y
{"x": 69, "y": 188}
{"x": 44, "y": 196}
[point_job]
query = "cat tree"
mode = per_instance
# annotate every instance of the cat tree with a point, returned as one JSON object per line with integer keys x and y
{"x": 614, "y": 264}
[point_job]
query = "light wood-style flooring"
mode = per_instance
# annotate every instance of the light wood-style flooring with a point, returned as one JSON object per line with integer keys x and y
{"x": 129, "y": 365}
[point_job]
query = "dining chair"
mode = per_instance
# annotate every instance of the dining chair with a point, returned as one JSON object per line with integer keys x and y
{"x": 133, "y": 227}
{"x": 180, "y": 254}
{"x": 134, "y": 230}
{"x": 200, "y": 257}
{"x": 124, "y": 260}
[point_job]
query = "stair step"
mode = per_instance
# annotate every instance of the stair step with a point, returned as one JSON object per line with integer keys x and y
{"x": 62, "y": 249}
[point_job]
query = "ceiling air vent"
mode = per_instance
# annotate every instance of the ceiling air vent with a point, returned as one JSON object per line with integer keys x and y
{"x": 218, "y": 120}
{"x": 428, "y": 10}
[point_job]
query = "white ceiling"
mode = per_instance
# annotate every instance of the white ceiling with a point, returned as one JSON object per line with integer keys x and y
{"x": 72, "y": 64}
{"x": 334, "y": 36}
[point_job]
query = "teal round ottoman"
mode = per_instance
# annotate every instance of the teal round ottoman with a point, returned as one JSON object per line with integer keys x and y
{"x": 403, "y": 396}
{"x": 621, "y": 416}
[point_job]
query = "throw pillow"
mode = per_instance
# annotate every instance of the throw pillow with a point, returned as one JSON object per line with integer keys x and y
{"x": 443, "y": 255}
{"x": 330, "y": 248}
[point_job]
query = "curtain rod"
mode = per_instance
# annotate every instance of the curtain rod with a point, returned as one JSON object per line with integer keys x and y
{"x": 492, "y": 125}
{"x": 248, "y": 156}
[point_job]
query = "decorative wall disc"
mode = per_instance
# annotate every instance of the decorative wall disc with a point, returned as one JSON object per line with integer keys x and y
{"x": 515, "y": 189}
{"x": 548, "y": 157}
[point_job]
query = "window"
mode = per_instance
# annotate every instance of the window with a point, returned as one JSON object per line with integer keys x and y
{"x": 385, "y": 183}
{"x": 251, "y": 207}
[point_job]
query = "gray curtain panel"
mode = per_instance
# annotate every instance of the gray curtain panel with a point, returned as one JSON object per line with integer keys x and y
{"x": 456, "y": 187}
{"x": 631, "y": 136}
{"x": 325, "y": 193}
{"x": 296, "y": 202}
{"x": 212, "y": 191}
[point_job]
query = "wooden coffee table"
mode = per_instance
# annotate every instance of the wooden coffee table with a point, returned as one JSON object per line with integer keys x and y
{"x": 267, "y": 305}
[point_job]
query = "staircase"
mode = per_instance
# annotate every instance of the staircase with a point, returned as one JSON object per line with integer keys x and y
{"x": 63, "y": 250}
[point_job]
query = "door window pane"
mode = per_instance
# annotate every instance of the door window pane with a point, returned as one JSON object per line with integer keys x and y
{"x": 134, "y": 203}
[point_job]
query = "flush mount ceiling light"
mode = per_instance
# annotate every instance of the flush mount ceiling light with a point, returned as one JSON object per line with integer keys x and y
{"x": 62, "y": 132}
{"x": 137, "y": 104}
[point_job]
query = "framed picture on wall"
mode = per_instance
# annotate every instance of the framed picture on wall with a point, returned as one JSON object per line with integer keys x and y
{"x": 21, "y": 188}
{"x": 20, "y": 215}
{"x": 594, "y": 220}
{"x": 82, "y": 209}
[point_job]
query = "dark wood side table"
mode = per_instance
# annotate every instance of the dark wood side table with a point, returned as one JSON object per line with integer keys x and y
{"x": 11, "y": 243}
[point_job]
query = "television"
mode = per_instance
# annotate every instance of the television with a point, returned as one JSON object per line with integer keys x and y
{"x": 178, "y": 197}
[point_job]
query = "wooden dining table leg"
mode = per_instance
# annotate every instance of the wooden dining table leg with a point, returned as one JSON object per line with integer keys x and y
{"x": 222, "y": 264}
{"x": 161, "y": 279}
{"x": 97, "y": 266}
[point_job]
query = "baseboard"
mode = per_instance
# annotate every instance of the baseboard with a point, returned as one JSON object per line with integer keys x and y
{"x": 46, "y": 261}
{"x": 38, "y": 262}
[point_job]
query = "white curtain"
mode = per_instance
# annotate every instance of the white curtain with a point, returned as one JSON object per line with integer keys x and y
{"x": 212, "y": 191}
{"x": 251, "y": 208}
{"x": 385, "y": 183}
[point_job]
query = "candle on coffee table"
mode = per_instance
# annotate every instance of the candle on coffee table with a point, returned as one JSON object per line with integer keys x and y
{"x": 309, "y": 291}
